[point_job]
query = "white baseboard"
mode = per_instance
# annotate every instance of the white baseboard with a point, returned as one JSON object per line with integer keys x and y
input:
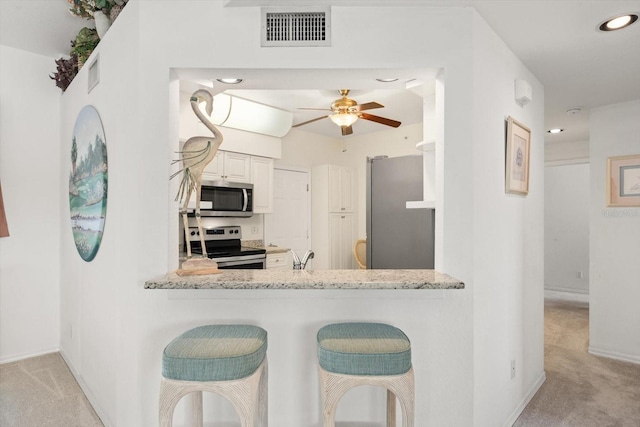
{"x": 614, "y": 355}
{"x": 525, "y": 401}
{"x": 18, "y": 357}
{"x": 87, "y": 392}
{"x": 565, "y": 295}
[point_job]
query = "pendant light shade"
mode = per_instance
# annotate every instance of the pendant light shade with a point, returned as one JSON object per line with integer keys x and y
{"x": 344, "y": 119}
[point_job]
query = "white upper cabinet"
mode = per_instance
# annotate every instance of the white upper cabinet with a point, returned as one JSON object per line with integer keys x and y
{"x": 229, "y": 166}
{"x": 214, "y": 170}
{"x": 262, "y": 173}
{"x": 341, "y": 189}
{"x": 237, "y": 167}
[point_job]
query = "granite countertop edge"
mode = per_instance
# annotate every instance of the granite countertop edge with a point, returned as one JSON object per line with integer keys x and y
{"x": 275, "y": 250}
{"x": 317, "y": 279}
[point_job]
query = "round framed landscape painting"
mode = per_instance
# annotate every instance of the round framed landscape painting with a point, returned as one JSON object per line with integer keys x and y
{"x": 88, "y": 180}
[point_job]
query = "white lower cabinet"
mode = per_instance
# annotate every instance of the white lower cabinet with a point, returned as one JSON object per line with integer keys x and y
{"x": 279, "y": 262}
{"x": 342, "y": 237}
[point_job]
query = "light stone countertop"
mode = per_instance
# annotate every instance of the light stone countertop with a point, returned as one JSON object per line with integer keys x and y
{"x": 309, "y": 279}
{"x": 276, "y": 250}
{"x": 260, "y": 245}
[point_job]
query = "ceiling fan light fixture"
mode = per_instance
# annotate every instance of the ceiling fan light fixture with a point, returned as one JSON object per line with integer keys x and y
{"x": 344, "y": 119}
{"x": 618, "y": 22}
{"x": 230, "y": 81}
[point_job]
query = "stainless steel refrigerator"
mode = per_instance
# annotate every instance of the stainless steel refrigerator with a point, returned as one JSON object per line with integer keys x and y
{"x": 397, "y": 237}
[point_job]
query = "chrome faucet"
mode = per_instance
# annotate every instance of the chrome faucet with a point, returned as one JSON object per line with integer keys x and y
{"x": 296, "y": 260}
{"x": 300, "y": 265}
{"x": 309, "y": 255}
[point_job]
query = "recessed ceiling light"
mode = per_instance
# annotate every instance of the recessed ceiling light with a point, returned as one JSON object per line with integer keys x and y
{"x": 230, "y": 81}
{"x": 556, "y": 130}
{"x": 387, "y": 80}
{"x": 618, "y": 22}
{"x": 574, "y": 111}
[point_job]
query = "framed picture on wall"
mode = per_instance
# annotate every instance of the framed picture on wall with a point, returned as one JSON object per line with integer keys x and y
{"x": 4, "y": 228}
{"x": 517, "y": 157}
{"x": 623, "y": 181}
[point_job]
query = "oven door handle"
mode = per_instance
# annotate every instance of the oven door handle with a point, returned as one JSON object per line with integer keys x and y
{"x": 245, "y": 258}
{"x": 243, "y": 262}
{"x": 246, "y": 199}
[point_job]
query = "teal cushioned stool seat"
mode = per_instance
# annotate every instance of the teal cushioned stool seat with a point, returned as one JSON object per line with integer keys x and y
{"x": 229, "y": 360}
{"x": 364, "y": 349}
{"x": 215, "y": 353}
{"x": 374, "y": 354}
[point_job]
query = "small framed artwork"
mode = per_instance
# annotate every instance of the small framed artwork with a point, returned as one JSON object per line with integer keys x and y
{"x": 517, "y": 157}
{"x": 623, "y": 181}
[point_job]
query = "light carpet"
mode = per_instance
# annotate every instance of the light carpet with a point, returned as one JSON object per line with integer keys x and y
{"x": 41, "y": 391}
{"x": 581, "y": 390}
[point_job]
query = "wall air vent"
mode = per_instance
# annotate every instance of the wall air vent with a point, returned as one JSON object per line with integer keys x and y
{"x": 296, "y": 27}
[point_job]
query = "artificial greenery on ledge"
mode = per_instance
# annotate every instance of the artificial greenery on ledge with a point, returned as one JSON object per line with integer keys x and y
{"x": 86, "y": 40}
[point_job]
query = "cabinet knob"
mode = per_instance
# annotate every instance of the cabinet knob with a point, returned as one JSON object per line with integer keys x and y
{"x": 342, "y": 209}
{"x": 342, "y": 216}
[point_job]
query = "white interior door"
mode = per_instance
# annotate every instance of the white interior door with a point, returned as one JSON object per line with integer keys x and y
{"x": 289, "y": 225}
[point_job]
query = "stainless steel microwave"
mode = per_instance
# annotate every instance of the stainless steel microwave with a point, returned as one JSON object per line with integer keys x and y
{"x": 222, "y": 198}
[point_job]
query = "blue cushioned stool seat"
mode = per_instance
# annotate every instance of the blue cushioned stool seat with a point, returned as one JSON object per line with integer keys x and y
{"x": 215, "y": 353}
{"x": 364, "y": 349}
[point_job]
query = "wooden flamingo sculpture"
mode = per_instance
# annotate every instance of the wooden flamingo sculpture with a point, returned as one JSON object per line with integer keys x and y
{"x": 196, "y": 154}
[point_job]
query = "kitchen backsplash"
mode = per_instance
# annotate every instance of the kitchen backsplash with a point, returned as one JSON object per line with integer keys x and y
{"x": 252, "y": 228}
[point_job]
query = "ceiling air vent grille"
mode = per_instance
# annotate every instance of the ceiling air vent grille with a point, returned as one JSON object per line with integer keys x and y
{"x": 296, "y": 28}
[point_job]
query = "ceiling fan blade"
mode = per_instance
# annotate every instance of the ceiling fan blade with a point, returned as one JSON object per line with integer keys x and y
{"x": 369, "y": 106}
{"x": 316, "y": 109}
{"x": 310, "y": 121}
{"x": 381, "y": 120}
{"x": 346, "y": 130}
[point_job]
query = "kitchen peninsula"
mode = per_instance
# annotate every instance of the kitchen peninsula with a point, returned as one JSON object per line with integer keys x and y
{"x": 292, "y": 305}
{"x": 304, "y": 279}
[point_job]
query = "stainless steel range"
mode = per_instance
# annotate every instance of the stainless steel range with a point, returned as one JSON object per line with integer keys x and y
{"x": 224, "y": 247}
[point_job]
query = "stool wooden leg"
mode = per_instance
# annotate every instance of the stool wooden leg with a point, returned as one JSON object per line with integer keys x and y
{"x": 263, "y": 396}
{"x": 406, "y": 395}
{"x": 245, "y": 396}
{"x": 332, "y": 388}
{"x": 391, "y": 409}
{"x": 170, "y": 395}
{"x": 196, "y": 405}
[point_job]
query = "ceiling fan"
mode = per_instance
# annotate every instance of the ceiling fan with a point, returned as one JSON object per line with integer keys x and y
{"x": 345, "y": 112}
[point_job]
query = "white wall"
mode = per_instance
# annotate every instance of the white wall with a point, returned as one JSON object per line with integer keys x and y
{"x": 98, "y": 299}
{"x": 566, "y": 228}
{"x": 558, "y": 153}
{"x": 30, "y": 257}
{"x": 614, "y": 317}
{"x": 120, "y": 328}
{"x": 506, "y": 237}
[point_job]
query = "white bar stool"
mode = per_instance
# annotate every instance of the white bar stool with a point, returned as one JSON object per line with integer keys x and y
{"x": 226, "y": 359}
{"x": 353, "y": 354}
